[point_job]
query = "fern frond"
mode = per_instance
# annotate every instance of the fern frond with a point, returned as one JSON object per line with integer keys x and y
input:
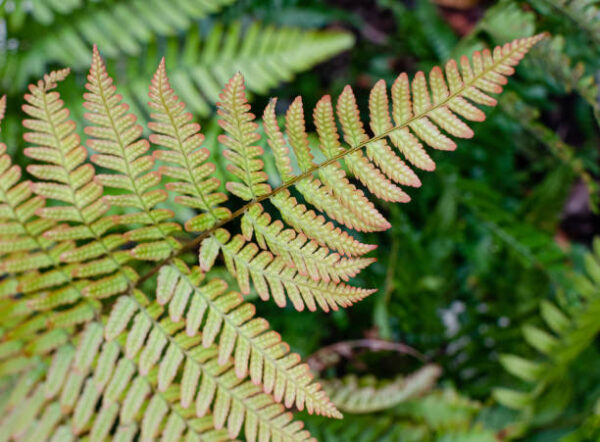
{"x": 173, "y": 130}
{"x": 366, "y": 395}
{"x": 571, "y": 332}
{"x": 420, "y": 113}
{"x": 194, "y": 360}
{"x": 258, "y": 351}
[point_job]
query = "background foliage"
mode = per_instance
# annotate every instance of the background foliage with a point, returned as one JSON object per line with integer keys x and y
{"x": 488, "y": 273}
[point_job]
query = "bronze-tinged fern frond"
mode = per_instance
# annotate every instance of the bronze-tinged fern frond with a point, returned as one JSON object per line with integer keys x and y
{"x": 192, "y": 360}
{"x": 420, "y": 112}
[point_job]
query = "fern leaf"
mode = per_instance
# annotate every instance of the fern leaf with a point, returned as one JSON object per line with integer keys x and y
{"x": 204, "y": 61}
{"x": 116, "y": 138}
{"x": 241, "y": 133}
{"x": 574, "y": 331}
{"x": 174, "y": 131}
{"x": 366, "y": 395}
{"x": 205, "y": 379}
{"x": 259, "y": 352}
{"x": 306, "y": 256}
{"x": 117, "y": 28}
{"x": 272, "y": 278}
{"x": 57, "y": 143}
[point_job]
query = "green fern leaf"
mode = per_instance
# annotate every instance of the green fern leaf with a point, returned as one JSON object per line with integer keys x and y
{"x": 258, "y": 351}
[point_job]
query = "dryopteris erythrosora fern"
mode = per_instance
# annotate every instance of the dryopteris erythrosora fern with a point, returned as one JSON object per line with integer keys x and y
{"x": 192, "y": 359}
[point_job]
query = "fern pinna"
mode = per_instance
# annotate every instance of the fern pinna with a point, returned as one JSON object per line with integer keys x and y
{"x": 110, "y": 327}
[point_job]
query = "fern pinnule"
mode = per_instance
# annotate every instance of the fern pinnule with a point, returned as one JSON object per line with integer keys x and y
{"x": 173, "y": 130}
{"x": 379, "y": 150}
{"x": 354, "y": 134}
{"x": 334, "y": 178}
{"x": 317, "y": 227}
{"x": 206, "y": 376}
{"x": 67, "y": 178}
{"x": 273, "y": 278}
{"x": 2, "y": 108}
